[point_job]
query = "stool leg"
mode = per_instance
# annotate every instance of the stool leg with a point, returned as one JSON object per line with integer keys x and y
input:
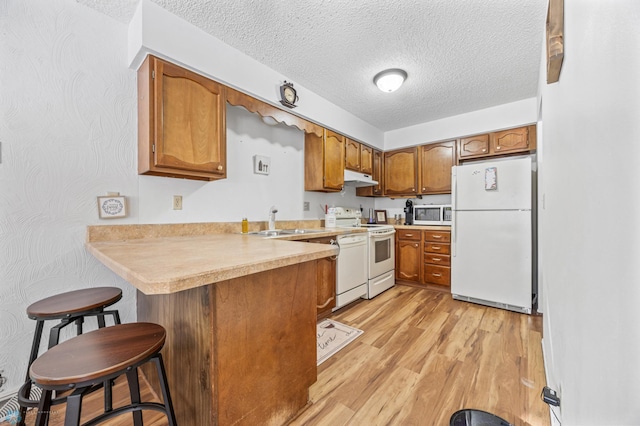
{"x": 35, "y": 346}
{"x": 164, "y": 386}
{"x": 79, "y": 322}
{"x": 44, "y": 408}
{"x": 101, "y": 323}
{"x": 74, "y": 408}
{"x": 134, "y": 391}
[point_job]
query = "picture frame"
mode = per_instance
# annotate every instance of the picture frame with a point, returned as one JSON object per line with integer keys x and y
{"x": 381, "y": 216}
{"x": 112, "y": 207}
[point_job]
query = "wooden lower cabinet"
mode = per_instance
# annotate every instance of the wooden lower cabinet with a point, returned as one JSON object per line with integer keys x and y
{"x": 408, "y": 255}
{"x": 326, "y": 281}
{"x": 424, "y": 257}
{"x": 437, "y": 258}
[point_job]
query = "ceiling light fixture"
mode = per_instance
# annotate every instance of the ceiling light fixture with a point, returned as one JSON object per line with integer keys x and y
{"x": 390, "y": 80}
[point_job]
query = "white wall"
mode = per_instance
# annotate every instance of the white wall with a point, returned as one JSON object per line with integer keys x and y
{"x": 513, "y": 114}
{"x": 243, "y": 193}
{"x": 68, "y": 131}
{"x": 590, "y": 231}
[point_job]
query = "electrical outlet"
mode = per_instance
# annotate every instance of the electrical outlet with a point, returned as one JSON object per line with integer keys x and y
{"x": 305, "y": 206}
{"x": 177, "y": 202}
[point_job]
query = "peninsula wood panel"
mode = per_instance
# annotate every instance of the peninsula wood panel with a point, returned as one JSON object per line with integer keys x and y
{"x": 240, "y": 351}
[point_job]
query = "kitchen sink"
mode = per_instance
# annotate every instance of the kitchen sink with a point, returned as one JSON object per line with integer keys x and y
{"x": 276, "y": 232}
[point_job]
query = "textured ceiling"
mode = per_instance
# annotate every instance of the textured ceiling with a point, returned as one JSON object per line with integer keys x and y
{"x": 460, "y": 55}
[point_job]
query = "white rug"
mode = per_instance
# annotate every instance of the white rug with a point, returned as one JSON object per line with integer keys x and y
{"x": 333, "y": 336}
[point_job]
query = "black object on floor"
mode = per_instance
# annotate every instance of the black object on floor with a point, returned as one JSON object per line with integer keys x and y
{"x": 470, "y": 417}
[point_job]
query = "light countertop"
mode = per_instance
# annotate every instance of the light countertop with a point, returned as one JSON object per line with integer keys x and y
{"x": 162, "y": 259}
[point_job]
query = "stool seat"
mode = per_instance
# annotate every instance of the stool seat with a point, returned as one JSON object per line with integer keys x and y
{"x": 83, "y": 363}
{"x": 98, "y": 355}
{"x": 73, "y": 302}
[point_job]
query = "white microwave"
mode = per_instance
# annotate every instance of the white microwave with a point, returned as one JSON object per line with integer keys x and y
{"x": 432, "y": 214}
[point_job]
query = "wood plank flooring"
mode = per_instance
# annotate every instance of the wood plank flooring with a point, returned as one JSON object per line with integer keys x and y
{"x": 422, "y": 357}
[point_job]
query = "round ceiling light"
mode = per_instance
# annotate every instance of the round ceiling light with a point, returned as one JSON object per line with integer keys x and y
{"x": 390, "y": 80}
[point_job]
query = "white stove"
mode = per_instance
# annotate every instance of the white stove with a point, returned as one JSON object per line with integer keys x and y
{"x": 380, "y": 249}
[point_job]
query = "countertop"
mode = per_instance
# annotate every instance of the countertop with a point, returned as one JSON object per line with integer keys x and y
{"x": 163, "y": 259}
{"x": 425, "y": 227}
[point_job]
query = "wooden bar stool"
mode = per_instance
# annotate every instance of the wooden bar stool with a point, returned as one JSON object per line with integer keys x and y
{"x": 82, "y": 363}
{"x": 70, "y": 308}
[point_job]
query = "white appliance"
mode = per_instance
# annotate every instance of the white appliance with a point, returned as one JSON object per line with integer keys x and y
{"x": 432, "y": 214}
{"x": 380, "y": 263}
{"x": 493, "y": 233}
{"x": 351, "y": 266}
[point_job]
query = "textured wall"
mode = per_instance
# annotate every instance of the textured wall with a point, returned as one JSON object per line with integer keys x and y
{"x": 68, "y": 130}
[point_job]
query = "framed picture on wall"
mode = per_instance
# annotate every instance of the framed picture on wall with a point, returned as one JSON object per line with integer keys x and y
{"x": 111, "y": 207}
{"x": 381, "y": 216}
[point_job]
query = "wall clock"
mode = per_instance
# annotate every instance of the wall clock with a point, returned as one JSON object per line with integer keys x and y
{"x": 288, "y": 95}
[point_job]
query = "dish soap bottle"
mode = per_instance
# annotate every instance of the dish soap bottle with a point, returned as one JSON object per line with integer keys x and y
{"x": 245, "y": 225}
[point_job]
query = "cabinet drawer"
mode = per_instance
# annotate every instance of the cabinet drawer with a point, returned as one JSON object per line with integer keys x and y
{"x": 409, "y": 234}
{"x": 437, "y": 248}
{"x": 437, "y": 274}
{"x": 438, "y": 236}
{"x": 437, "y": 259}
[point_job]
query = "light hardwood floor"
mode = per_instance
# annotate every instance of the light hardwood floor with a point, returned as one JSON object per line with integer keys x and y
{"x": 422, "y": 357}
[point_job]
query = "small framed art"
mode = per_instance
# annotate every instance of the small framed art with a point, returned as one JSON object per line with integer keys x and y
{"x": 111, "y": 207}
{"x": 381, "y": 216}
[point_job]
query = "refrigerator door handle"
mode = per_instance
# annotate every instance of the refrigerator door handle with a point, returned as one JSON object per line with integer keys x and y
{"x": 454, "y": 211}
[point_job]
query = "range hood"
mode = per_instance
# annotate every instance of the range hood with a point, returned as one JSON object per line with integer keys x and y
{"x": 358, "y": 180}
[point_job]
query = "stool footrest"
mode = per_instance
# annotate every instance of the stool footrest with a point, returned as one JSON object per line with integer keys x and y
{"x": 155, "y": 406}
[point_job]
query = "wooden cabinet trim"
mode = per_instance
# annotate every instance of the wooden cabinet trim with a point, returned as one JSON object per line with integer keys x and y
{"x": 236, "y": 98}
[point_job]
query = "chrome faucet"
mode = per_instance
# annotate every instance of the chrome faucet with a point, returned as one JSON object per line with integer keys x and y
{"x": 272, "y": 218}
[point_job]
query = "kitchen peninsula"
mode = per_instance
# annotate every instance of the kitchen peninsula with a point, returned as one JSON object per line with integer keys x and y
{"x": 240, "y": 314}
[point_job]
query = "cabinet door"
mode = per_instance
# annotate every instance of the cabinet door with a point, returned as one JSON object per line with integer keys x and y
{"x": 474, "y": 146}
{"x": 333, "y": 160}
{"x": 408, "y": 259}
{"x": 401, "y": 172}
{"x": 377, "y": 175}
{"x": 366, "y": 159}
{"x": 326, "y": 275}
{"x": 352, "y": 155}
{"x": 513, "y": 140}
{"x": 189, "y": 121}
{"x": 436, "y": 161}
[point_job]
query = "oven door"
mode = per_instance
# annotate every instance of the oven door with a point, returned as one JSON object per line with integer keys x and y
{"x": 381, "y": 252}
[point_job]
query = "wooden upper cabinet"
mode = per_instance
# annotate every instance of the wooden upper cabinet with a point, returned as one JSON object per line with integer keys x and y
{"x": 511, "y": 141}
{"x": 352, "y": 155}
{"x": 366, "y": 159}
{"x": 324, "y": 161}
{"x": 401, "y": 172}
{"x": 377, "y": 175}
{"x": 474, "y": 146}
{"x": 181, "y": 123}
{"x": 436, "y": 161}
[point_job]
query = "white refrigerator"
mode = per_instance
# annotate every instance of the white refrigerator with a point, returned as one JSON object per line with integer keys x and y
{"x": 492, "y": 233}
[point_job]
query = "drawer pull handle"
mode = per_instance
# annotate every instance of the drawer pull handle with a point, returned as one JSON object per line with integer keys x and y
{"x": 437, "y": 236}
{"x": 436, "y": 275}
{"x": 436, "y": 259}
{"x": 409, "y": 235}
{"x": 436, "y": 247}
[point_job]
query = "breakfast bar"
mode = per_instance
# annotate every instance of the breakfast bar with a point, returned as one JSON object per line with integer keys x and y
{"x": 240, "y": 315}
